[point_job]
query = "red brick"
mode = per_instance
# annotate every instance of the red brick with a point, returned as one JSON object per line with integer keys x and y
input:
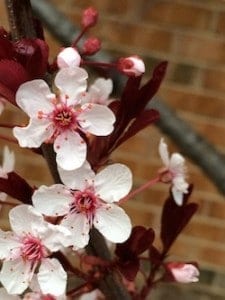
{"x": 213, "y": 256}
{"x": 139, "y": 36}
{"x": 214, "y": 79}
{"x": 220, "y": 28}
{"x": 205, "y": 230}
{"x": 179, "y": 15}
{"x": 209, "y": 128}
{"x": 187, "y": 99}
{"x": 207, "y": 50}
{"x": 110, "y": 7}
{"x": 217, "y": 209}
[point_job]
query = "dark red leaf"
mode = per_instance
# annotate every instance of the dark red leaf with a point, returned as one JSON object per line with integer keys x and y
{"x": 16, "y": 187}
{"x": 146, "y": 118}
{"x": 33, "y": 55}
{"x": 152, "y": 86}
{"x": 12, "y": 75}
{"x": 139, "y": 241}
{"x": 154, "y": 255}
{"x": 6, "y": 49}
{"x": 129, "y": 269}
{"x": 175, "y": 218}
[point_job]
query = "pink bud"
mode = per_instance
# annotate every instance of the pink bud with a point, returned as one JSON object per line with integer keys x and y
{"x": 131, "y": 66}
{"x": 91, "y": 46}
{"x": 68, "y": 57}
{"x": 90, "y": 17}
{"x": 183, "y": 272}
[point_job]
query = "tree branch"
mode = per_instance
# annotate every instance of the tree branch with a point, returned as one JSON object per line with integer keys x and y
{"x": 21, "y": 23}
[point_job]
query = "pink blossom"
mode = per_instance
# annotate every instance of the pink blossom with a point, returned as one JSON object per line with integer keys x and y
{"x": 90, "y": 17}
{"x": 27, "y": 248}
{"x": 68, "y": 57}
{"x": 183, "y": 272}
{"x": 174, "y": 172}
{"x": 91, "y": 46}
{"x": 60, "y": 118}
{"x": 131, "y": 66}
{"x": 86, "y": 201}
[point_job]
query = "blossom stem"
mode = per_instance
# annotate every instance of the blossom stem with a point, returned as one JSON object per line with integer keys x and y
{"x": 98, "y": 64}
{"x": 9, "y": 139}
{"x": 20, "y": 19}
{"x": 74, "y": 44}
{"x": 140, "y": 189}
{"x": 8, "y": 203}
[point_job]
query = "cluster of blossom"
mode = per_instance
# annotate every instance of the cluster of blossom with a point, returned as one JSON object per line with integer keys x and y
{"x": 84, "y": 125}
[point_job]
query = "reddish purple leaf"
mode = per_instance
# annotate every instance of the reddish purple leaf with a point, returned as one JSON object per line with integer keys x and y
{"x": 129, "y": 268}
{"x": 175, "y": 218}
{"x": 16, "y": 187}
{"x": 146, "y": 118}
{"x": 139, "y": 241}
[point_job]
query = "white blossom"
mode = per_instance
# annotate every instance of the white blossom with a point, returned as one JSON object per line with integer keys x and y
{"x": 86, "y": 201}
{"x": 27, "y": 248}
{"x": 174, "y": 172}
{"x": 61, "y": 118}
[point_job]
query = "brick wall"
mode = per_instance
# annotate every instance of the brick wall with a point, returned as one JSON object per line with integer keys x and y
{"x": 189, "y": 34}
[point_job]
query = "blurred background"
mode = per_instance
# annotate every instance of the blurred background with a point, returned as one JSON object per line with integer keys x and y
{"x": 190, "y": 35}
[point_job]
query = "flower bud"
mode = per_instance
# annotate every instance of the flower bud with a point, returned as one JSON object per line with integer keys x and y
{"x": 183, "y": 272}
{"x": 90, "y": 17}
{"x": 91, "y": 46}
{"x": 131, "y": 66}
{"x": 68, "y": 57}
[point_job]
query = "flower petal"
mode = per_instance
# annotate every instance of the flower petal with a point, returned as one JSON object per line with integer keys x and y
{"x": 53, "y": 200}
{"x": 15, "y": 275}
{"x": 8, "y": 160}
{"x": 79, "y": 227}
{"x": 72, "y": 83}
{"x": 7, "y": 243}
{"x": 113, "y": 223}
{"x": 51, "y": 277}
{"x": 113, "y": 183}
{"x": 163, "y": 151}
{"x": 68, "y": 57}
{"x": 34, "y": 220}
{"x": 32, "y": 136}
{"x": 177, "y": 164}
{"x": 77, "y": 179}
{"x": 33, "y": 96}
{"x": 177, "y": 196}
{"x": 99, "y": 91}
{"x": 70, "y": 150}
{"x": 96, "y": 119}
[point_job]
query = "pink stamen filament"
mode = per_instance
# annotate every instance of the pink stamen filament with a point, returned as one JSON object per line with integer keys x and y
{"x": 32, "y": 249}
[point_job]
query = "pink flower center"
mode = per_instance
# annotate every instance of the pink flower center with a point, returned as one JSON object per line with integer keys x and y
{"x": 32, "y": 249}
{"x": 64, "y": 117}
{"x": 85, "y": 202}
